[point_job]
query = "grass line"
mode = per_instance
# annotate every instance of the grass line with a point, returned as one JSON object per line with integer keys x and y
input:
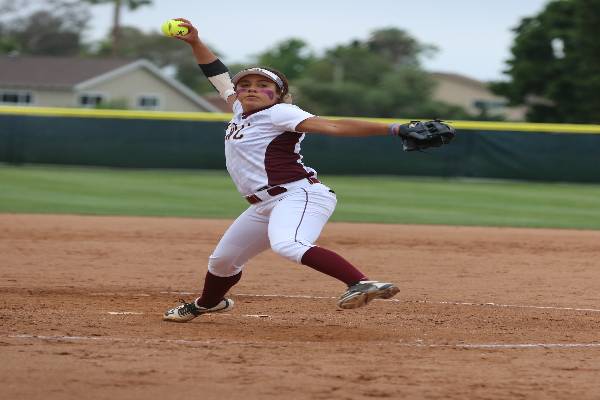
{"x": 211, "y": 194}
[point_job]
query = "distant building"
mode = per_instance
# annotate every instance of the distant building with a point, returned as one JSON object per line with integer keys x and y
{"x": 90, "y": 82}
{"x": 216, "y": 100}
{"x": 474, "y": 96}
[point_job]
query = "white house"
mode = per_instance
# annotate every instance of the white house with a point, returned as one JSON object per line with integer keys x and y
{"x": 473, "y": 95}
{"x": 89, "y": 82}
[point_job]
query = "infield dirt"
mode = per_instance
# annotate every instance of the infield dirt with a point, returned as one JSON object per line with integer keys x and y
{"x": 82, "y": 299}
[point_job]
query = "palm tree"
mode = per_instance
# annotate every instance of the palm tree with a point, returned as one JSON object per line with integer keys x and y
{"x": 131, "y": 5}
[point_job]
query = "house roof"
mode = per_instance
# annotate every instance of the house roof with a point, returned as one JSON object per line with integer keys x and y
{"x": 216, "y": 100}
{"x": 53, "y": 72}
{"x": 72, "y": 73}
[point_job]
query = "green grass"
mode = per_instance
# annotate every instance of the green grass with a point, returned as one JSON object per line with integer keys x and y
{"x": 211, "y": 194}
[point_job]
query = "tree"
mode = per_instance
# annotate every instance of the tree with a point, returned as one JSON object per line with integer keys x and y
{"x": 43, "y": 28}
{"x": 118, "y": 4}
{"x": 153, "y": 46}
{"x": 290, "y": 56}
{"x": 355, "y": 63}
{"x": 398, "y": 47}
{"x": 588, "y": 31}
{"x": 405, "y": 92}
{"x": 165, "y": 52}
{"x": 555, "y": 63}
{"x": 45, "y": 34}
{"x": 378, "y": 77}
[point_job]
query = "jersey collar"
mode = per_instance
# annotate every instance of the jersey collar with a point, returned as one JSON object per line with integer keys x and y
{"x": 249, "y": 113}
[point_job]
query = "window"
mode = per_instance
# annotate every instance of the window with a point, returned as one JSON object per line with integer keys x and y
{"x": 90, "y": 99}
{"x": 148, "y": 102}
{"x": 15, "y": 97}
{"x": 489, "y": 104}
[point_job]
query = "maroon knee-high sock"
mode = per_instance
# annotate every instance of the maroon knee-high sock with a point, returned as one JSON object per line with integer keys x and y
{"x": 332, "y": 264}
{"x": 215, "y": 288}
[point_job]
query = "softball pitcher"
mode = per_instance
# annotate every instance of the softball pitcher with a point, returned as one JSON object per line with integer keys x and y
{"x": 289, "y": 205}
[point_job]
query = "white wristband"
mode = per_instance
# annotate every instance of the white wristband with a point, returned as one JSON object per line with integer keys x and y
{"x": 222, "y": 83}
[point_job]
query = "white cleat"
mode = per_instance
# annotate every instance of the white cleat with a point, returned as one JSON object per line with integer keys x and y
{"x": 188, "y": 311}
{"x": 364, "y": 291}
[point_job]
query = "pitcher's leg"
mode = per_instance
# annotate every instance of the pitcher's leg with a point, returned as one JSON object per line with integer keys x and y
{"x": 296, "y": 223}
{"x": 215, "y": 288}
{"x": 244, "y": 239}
{"x": 332, "y": 264}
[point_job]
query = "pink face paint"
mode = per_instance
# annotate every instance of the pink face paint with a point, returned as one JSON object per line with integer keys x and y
{"x": 267, "y": 92}
{"x": 270, "y": 93}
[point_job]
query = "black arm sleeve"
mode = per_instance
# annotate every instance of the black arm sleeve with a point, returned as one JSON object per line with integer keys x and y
{"x": 214, "y": 68}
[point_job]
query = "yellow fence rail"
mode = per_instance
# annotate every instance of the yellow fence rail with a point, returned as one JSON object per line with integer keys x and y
{"x": 203, "y": 116}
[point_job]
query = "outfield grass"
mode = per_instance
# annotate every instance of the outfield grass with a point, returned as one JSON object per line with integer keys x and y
{"x": 210, "y": 194}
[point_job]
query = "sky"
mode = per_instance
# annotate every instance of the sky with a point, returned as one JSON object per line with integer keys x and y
{"x": 473, "y": 36}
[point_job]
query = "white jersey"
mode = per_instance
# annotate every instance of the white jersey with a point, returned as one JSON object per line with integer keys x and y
{"x": 262, "y": 148}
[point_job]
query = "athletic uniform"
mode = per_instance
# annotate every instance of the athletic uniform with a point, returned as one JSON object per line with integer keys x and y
{"x": 289, "y": 206}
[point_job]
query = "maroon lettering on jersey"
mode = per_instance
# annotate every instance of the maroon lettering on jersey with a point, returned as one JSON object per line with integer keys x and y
{"x": 233, "y": 131}
{"x": 282, "y": 163}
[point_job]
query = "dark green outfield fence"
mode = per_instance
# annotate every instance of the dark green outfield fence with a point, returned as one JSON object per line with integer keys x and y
{"x": 176, "y": 140}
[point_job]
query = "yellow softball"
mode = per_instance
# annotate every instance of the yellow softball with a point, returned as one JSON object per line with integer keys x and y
{"x": 172, "y": 28}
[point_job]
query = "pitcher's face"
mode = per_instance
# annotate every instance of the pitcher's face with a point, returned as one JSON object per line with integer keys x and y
{"x": 256, "y": 91}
